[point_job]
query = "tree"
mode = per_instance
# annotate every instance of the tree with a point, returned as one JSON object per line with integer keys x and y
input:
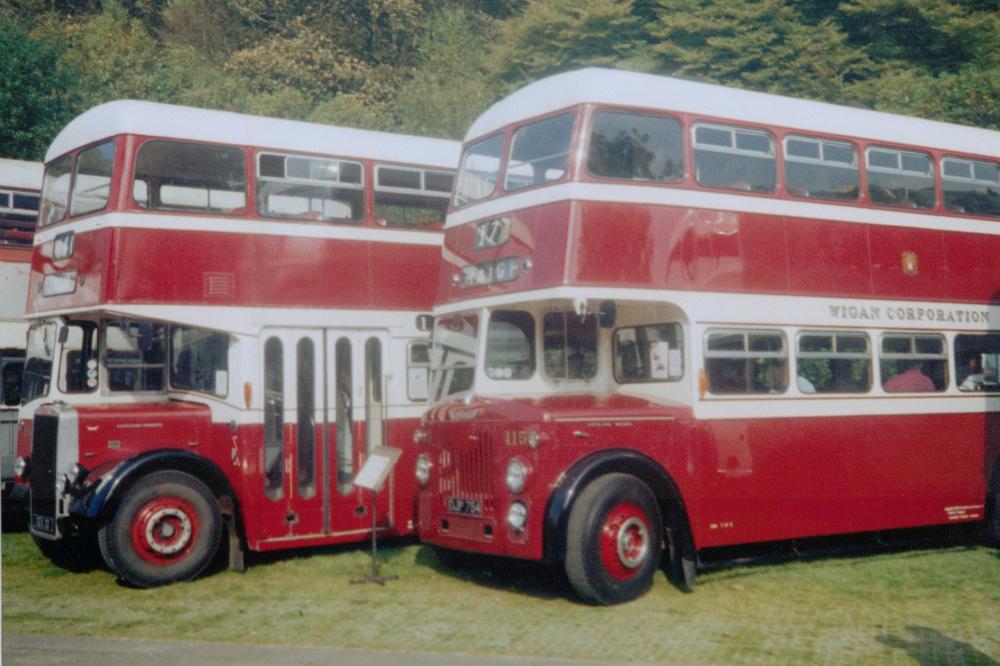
{"x": 550, "y": 36}
{"x": 36, "y": 93}
{"x": 764, "y": 45}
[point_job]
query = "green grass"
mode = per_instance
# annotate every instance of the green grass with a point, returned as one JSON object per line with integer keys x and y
{"x": 938, "y": 605}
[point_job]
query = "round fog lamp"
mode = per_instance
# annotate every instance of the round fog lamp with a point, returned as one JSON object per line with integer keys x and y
{"x": 517, "y": 472}
{"x": 21, "y": 467}
{"x": 517, "y": 515}
{"x": 423, "y": 469}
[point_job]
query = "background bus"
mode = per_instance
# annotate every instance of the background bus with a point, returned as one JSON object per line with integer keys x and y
{"x": 224, "y": 316}
{"x": 20, "y": 183}
{"x": 676, "y": 313}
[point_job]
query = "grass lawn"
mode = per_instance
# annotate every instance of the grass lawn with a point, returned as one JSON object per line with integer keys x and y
{"x": 927, "y": 606}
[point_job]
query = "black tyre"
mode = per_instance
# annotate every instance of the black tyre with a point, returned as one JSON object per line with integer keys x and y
{"x": 614, "y": 540}
{"x": 991, "y": 528}
{"x": 166, "y": 529}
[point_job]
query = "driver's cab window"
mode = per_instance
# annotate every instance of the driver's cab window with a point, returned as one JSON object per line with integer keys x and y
{"x": 650, "y": 353}
{"x": 569, "y": 344}
{"x": 135, "y": 355}
{"x": 78, "y": 357}
{"x": 510, "y": 345}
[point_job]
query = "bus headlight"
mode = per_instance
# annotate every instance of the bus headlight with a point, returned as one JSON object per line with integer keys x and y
{"x": 21, "y": 467}
{"x": 517, "y": 515}
{"x": 517, "y": 474}
{"x": 423, "y": 469}
{"x": 61, "y": 484}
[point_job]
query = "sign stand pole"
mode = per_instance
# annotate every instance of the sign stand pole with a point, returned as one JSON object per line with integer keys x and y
{"x": 372, "y": 476}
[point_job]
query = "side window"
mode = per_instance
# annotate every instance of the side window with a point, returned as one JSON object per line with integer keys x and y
{"x": 78, "y": 364}
{"x": 833, "y": 362}
{"x": 971, "y": 186}
{"x": 274, "y": 419}
{"x": 539, "y": 152}
{"x": 305, "y": 373}
{"x": 418, "y": 363}
{"x": 453, "y": 355}
{"x": 634, "y": 146}
{"x": 977, "y": 362}
{"x": 92, "y": 182}
{"x": 820, "y": 169}
{"x": 409, "y": 197}
{"x": 741, "y": 362}
{"x": 11, "y": 370}
{"x": 344, "y": 387}
{"x": 569, "y": 345}
{"x": 734, "y": 158}
{"x": 184, "y": 176}
{"x": 310, "y": 188}
{"x": 135, "y": 356}
{"x": 900, "y": 178}
{"x": 55, "y": 191}
{"x": 510, "y": 345}
{"x": 652, "y": 353}
{"x": 913, "y": 363}
{"x": 477, "y": 177}
{"x": 199, "y": 360}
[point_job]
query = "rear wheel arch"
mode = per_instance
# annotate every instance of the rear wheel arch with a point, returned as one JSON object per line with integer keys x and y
{"x": 677, "y": 533}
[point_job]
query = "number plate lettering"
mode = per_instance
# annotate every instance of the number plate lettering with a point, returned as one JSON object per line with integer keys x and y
{"x": 467, "y": 506}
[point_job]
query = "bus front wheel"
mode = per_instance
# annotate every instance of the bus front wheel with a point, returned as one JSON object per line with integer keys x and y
{"x": 613, "y": 540}
{"x": 166, "y": 529}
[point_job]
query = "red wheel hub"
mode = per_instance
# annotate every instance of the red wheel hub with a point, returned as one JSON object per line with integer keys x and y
{"x": 624, "y": 540}
{"x": 165, "y": 529}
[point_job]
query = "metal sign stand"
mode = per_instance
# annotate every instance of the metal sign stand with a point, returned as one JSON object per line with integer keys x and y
{"x": 372, "y": 476}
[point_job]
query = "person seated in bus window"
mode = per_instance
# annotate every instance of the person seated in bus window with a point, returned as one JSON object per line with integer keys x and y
{"x": 726, "y": 376}
{"x": 976, "y": 378}
{"x": 911, "y": 380}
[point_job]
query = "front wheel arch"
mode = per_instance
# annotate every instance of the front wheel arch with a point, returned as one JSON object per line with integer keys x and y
{"x": 678, "y": 534}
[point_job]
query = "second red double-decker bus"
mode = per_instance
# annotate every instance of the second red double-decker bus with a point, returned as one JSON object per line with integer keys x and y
{"x": 675, "y": 317}
{"x": 225, "y": 324}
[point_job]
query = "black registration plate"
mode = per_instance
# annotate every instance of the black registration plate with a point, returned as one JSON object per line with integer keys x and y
{"x": 43, "y": 524}
{"x": 469, "y": 507}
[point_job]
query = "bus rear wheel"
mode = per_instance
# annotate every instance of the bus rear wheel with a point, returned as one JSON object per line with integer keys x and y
{"x": 166, "y": 529}
{"x": 613, "y": 540}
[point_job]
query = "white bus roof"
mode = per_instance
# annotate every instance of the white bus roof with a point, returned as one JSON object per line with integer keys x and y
{"x": 615, "y": 87}
{"x": 183, "y": 122}
{"x": 20, "y": 174}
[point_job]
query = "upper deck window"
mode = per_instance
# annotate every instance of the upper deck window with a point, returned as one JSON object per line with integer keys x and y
{"x": 55, "y": 191}
{"x": 539, "y": 152}
{"x": 900, "y": 178}
{"x": 734, "y": 158}
{"x": 183, "y": 176}
{"x": 971, "y": 186}
{"x": 635, "y": 146}
{"x": 477, "y": 178}
{"x": 821, "y": 169}
{"x": 92, "y": 181}
{"x": 410, "y": 197}
{"x": 569, "y": 345}
{"x": 310, "y": 188}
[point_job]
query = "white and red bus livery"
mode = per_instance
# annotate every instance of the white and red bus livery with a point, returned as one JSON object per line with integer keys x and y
{"x": 20, "y": 182}
{"x": 686, "y": 316}
{"x": 225, "y": 323}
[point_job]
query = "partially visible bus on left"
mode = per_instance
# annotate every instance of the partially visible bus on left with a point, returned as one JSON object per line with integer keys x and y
{"x": 20, "y": 182}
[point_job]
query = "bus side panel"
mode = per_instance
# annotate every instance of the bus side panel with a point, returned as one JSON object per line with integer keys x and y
{"x": 769, "y": 479}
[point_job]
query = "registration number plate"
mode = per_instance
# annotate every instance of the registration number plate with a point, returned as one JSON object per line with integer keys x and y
{"x": 43, "y": 523}
{"x": 468, "y": 507}
{"x": 490, "y": 272}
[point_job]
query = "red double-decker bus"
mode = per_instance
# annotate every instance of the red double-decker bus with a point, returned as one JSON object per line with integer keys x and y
{"x": 675, "y": 317}
{"x": 225, "y": 317}
{"x": 20, "y": 182}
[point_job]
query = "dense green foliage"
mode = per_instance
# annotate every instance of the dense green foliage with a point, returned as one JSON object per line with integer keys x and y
{"x": 431, "y": 66}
